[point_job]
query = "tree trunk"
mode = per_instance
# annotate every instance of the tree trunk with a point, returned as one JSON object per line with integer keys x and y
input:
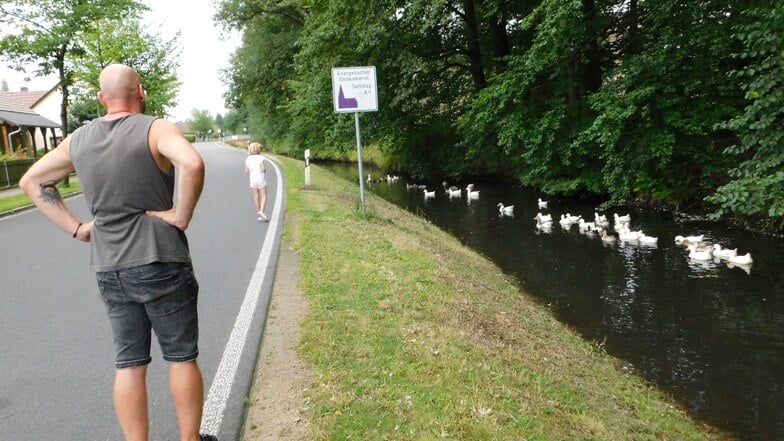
{"x": 474, "y": 50}
{"x": 500, "y": 38}
{"x": 592, "y": 73}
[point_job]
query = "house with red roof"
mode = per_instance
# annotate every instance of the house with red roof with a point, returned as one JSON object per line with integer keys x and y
{"x": 28, "y": 121}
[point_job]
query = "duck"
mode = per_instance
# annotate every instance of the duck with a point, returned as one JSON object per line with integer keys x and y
{"x": 430, "y": 194}
{"x": 505, "y": 209}
{"x": 627, "y": 235}
{"x": 586, "y": 226}
{"x": 743, "y": 266}
{"x": 471, "y": 193}
{"x": 607, "y": 237}
{"x": 648, "y": 240}
{"x": 724, "y": 253}
{"x": 600, "y": 219}
{"x": 699, "y": 253}
{"x": 369, "y": 178}
{"x": 544, "y": 218}
{"x": 741, "y": 259}
{"x": 625, "y": 219}
{"x": 449, "y": 187}
{"x": 542, "y": 204}
{"x": 546, "y": 227}
{"x": 565, "y": 221}
{"x": 573, "y": 219}
{"x": 690, "y": 239}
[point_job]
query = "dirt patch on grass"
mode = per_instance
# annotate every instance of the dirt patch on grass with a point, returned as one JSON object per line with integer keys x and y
{"x": 277, "y": 408}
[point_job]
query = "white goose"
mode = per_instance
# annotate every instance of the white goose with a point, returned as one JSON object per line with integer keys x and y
{"x": 626, "y": 219}
{"x": 544, "y": 218}
{"x": 542, "y": 204}
{"x": 691, "y": 239}
{"x": 454, "y": 192}
{"x": 471, "y": 193}
{"x": 546, "y": 227}
{"x": 600, "y": 219}
{"x": 699, "y": 253}
{"x": 724, "y": 253}
{"x": 586, "y": 226}
{"x": 565, "y": 221}
{"x": 430, "y": 194}
{"x": 627, "y": 235}
{"x": 648, "y": 240}
{"x": 741, "y": 259}
{"x": 505, "y": 210}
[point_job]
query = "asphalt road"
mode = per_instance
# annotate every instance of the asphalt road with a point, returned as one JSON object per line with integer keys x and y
{"x": 56, "y": 356}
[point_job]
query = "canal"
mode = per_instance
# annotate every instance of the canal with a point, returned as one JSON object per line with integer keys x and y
{"x": 710, "y": 333}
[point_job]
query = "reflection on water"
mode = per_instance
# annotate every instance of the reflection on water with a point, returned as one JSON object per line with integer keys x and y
{"x": 710, "y": 332}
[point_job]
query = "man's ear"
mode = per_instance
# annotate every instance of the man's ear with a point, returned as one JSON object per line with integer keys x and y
{"x": 100, "y": 98}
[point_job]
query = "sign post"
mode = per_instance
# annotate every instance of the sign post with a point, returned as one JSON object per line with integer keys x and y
{"x": 354, "y": 89}
{"x": 307, "y": 166}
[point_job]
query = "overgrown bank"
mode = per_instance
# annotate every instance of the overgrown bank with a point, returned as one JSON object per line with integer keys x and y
{"x": 413, "y": 336}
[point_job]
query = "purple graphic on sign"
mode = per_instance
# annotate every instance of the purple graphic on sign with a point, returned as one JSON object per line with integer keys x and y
{"x": 346, "y": 103}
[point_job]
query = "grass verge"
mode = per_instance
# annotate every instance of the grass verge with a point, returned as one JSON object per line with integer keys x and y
{"x": 11, "y": 203}
{"x": 413, "y": 336}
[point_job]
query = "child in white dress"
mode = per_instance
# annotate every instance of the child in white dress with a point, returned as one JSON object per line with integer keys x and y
{"x": 256, "y": 170}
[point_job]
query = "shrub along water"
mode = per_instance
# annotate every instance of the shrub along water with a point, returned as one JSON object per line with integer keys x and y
{"x": 413, "y": 336}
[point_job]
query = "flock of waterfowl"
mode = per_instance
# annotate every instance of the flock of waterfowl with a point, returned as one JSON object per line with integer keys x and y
{"x": 699, "y": 251}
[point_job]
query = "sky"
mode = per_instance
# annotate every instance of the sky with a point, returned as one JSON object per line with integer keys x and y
{"x": 205, "y": 48}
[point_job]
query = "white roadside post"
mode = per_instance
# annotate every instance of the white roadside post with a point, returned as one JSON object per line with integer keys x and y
{"x": 354, "y": 89}
{"x": 307, "y": 166}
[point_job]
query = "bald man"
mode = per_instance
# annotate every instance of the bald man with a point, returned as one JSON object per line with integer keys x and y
{"x": 126, "y": 164}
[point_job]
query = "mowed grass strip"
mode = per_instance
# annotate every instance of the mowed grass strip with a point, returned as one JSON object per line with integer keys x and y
{"x": 413, "y": 336}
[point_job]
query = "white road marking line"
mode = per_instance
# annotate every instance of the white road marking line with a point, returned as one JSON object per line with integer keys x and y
{"x": 218, "y": 396}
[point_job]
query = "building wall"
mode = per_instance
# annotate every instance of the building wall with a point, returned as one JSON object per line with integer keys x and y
{"x": 49, "y": 108}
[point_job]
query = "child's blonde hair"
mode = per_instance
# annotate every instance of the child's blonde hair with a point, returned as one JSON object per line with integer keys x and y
{"x": 254, "y": 148}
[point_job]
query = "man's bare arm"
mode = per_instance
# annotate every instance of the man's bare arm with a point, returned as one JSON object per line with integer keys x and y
{"x": 40, "y": 184}
{"x": 168, "y": 142}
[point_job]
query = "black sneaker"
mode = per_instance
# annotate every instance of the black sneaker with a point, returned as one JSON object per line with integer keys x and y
{"x": 208, "y": 438}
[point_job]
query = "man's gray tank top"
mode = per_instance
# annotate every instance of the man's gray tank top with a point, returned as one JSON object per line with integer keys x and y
{"x": 121, "y": 181}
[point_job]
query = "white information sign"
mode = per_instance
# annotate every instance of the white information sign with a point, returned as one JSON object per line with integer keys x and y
{"x": 354, "y": 89}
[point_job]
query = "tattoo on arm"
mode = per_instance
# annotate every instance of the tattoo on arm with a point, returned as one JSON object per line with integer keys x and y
{"x": 50, "y": 193}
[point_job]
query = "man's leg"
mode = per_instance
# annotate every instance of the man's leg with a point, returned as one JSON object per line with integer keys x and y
{"x": 187, "y": 391}
{"x": 130, "y": 402}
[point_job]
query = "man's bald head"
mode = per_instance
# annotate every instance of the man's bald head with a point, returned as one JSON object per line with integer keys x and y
{"x": 119, "y": 81}
{"x": 121, "y": 89}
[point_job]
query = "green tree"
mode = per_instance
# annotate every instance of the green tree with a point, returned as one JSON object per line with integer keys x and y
{"x": 658, "y": 110}
{"x": 262, "y": 69}
{"x": 756, "y": 185}
{"x": 128, "y": 42}
{"x": 219, "y": 123}
{"x": 201, "y": 122}
{"x": 627, "y": 100}
{"x": 84, "y": 107}
{"x": 235, "y": 121}
{"x": 51, "y": 34}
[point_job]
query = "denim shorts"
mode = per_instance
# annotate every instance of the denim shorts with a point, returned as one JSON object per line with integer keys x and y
{"x": 158, "y": 297}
